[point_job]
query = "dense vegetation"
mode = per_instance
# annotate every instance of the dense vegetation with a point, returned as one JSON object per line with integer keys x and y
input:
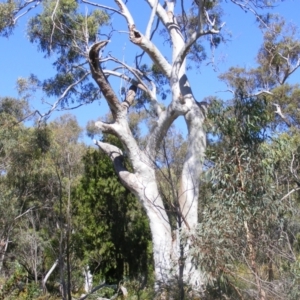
{"x": 71, "y": 228}
{"x": 61, "y": 201}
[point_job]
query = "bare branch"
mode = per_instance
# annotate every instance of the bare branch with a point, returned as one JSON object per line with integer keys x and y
{"x": 53, "y": 22}
{"x": 103, "y": 6}
{"x": 263, "y": 92}
{"x": 289, "y": 193}
{"x": 116, "y": 156}
{"x": 125, "y": 12}
{"x": 102, "y": 285}
{"x": 250, "y": 6}
{"x": 293, "y": 171}
{"x": 28, "y": 10}
{"x": 179, "y": 60}
{"x": 127, "y": 78}
{"x": 99, "y": 77}
{"x": 289, "y": 70}
{"x": 283, "y": 117}
{"x": 44, "y": 281}
{"x": 57, "y": 102}
{"x": 161, "y": 126}
{"x": 130, "y": 96}
{"x": 142, "y": 86}
{"x": 134, "y": 71}
{"x": 24, "y": 213}
{"x": 105, "y": 127}
{"x": 154, "y": 101}
{"x": 137, "y": 38}
{"x": 151, "y": 20}
{"x": 160, "y": 11}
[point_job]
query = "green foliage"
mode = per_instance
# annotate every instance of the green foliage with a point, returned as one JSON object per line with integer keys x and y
{"x": 63, "y": 29}
{"x": 36, "y": 181}
{"x": 240, "y": 195}
{"x": 58, "y": 31}
{"x": 137, "y": 291}
{"x": 294, "y": 292}
{"x": 279, "y": 54}
{"x": 16, "y": 287}
{"x": 111, "y": 230}
{"x": 7, "y": 17}
{"x": 13, "y": 108}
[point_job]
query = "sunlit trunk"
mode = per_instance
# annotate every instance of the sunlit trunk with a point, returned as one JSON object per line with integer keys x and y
{"x": 88, "y": 280}
{"x": 159, "y": 226}
{"x": 189, "y": 191}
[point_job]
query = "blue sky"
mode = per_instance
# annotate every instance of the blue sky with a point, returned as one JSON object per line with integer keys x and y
{"x": 20, "y": 58}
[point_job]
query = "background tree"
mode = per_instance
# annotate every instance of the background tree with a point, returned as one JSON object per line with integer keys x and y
{"x": 246, "y": 176}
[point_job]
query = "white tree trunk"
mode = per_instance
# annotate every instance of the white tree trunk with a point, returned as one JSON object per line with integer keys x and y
{"x": 144, "y": 185}
{"x": 88, "y": 280}
{"x": 189, "y": 191}
{"x": 160, "y": 230}
{"x": 49, "y": 273}
{"x": 168, "y": 258}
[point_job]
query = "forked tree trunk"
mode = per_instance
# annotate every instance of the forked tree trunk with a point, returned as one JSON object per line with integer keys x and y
{"x": 171, "y": 255}
{"x": 143, "y": 183}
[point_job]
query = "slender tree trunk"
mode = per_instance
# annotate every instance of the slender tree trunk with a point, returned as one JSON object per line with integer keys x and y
{"x": 3, "y": 249}
{"x": 35, "y": 259}
{"x": 88, "y": 280}
{"x": 68, "y": 232}
{"x": 68, "y": 263}
{"x": 61, "y": 244}
{"x": 48, "y": 274}
{"x": 252, "y": 256}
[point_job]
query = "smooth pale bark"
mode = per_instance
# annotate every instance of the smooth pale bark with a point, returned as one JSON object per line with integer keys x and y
{"x": 143, "y": 184}
{"x": 49, "y": 273}
{"x": 189, "y": 190}
{"x": 168, "y": 248}
{"x": 88, "y": 280}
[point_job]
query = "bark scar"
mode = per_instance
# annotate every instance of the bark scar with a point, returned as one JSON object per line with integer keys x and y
{"x": 135, "y": 35}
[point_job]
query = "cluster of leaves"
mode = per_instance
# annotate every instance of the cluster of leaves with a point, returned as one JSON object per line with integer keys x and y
{"x": 53, "y": 209}
{"x": 15, "y": 286}
{"x": 279, "y": 54}
{"x": 7, "y": 17}
{"x": 62, "y": 29}
{"x": 238, "y": 179}
{"x": 247, "y": 226}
